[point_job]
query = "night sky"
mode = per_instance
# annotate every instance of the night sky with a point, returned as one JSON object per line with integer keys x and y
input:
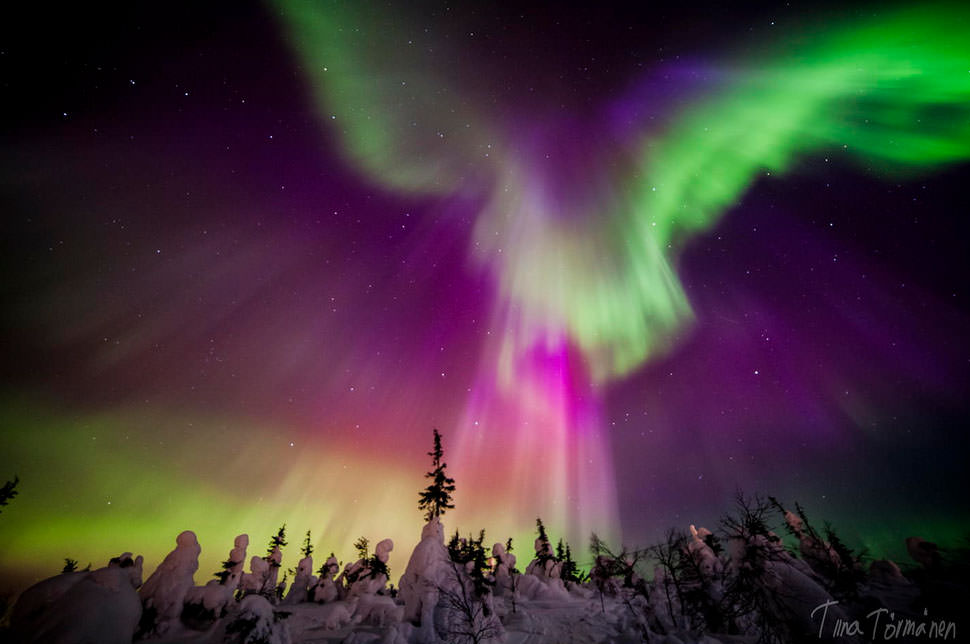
{"x": 628, "y": 261}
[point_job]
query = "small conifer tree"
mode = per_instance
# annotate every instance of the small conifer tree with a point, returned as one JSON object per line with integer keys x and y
{"x": 361, "y": 546}
{"x": 277, "y": 541}
{"x": 8, "y": 491}
{"x": 513, "y": 575}
{"x": 281, "y": 587}
{"x": 541, "y": 530}
{"x": 546, "y": 553}
{"x": 307, "y": 548}
{"x": 223, "y": 575}
{"x": 454, "y": 546}
{"x": 436, "y": 498}
{"x": 472, "y": 550}
{"x": 324, "y": 569}
{"x": 377, "y": 567}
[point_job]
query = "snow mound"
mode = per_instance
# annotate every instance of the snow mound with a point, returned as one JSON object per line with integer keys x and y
{"x": 257, "y": 623}
{"x": 82, "y": 607}
{"x": 163, "y": 594}
{"x": 426, "y": 571}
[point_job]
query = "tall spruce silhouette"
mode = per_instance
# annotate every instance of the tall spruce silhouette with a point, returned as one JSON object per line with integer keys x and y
{"x": 436, "y": 498}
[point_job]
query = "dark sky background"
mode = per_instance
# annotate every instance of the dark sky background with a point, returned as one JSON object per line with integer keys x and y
{"x": 206, "y": 312}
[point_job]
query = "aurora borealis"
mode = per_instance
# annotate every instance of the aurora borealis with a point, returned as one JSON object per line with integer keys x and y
{"x": 627, "y": 261}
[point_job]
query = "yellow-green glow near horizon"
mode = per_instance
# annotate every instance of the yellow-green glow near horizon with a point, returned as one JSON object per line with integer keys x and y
{"x": 127, "y": 482}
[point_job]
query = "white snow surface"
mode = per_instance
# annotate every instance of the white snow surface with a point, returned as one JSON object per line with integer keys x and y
{"x": 426, "y": 570}
{"x": 253, "y": 581}
{"x": 165, "y": 590}
{"x": 238, "y": 553}
{"x": 256, "y": 622}
{"x": 100, "y": 606}
{"x": 325, "y": 589}
{"x": 301, "y": 582}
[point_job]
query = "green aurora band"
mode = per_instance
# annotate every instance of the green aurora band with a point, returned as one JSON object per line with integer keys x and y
{"x": 595, "y": 271}
{"x": 894, "y": 91}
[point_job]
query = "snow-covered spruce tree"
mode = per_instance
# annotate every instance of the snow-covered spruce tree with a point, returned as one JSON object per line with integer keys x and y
{"x": 454, "y": 545}
{"x": 689, "y": 588}
{"x": 378, "y": 566}
{"x": 307, "y": 549}
{"x": 223, "y": 574}
{"x": 281, "y": 587}
{"x": 274, "y": 557}
{"x": 327, "y": 566}
{"x": 467, "y": 593}
{"x": 362, "y": 546}
{"x": 302, "y": 574}
{"x": 354, "y": 571}
{"x": 541, "y": 531}
{"x": 570, "y": 571}
{"x": 256, "y": 622}
{"x": 471, "y": 555}
{"x": 275, "y": 544}
{"x": 615, "y": 575}
{"x": 839, "y": 566}
{"x": 612, "y": 572}
{"x": 757, "y": 555}
{"x": 505, "y": 574}
{"x": 602, "y": 572}
{"x": 367, "y": 565}
{"x": 232, "y": 568}
{"x": 545, "y": 560}
{"x": 369, "y": 574}
{"x": 326, "y": 588}
{"x": 436, "y": 498}
{"x": 163, "y": 593}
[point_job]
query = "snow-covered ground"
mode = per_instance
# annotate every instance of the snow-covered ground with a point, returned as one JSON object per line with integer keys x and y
{"x": 748, "y": 589}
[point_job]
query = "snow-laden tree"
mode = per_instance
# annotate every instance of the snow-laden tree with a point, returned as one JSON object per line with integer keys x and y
{"x": 232, "y": 568}
{"x": 273, "y": 557}
{"x": 427, "y": 569}
{"x": 505, "y": 574}
{"x": 468, "y": 616}
{"x": 163, "y": 594}
{"x": 303, "y": 579}
{"x": 256, "y": 622}
{"x": 325, "y": 589}
{"x": 369, "y": 574}
{"x": 545, "y": 564}
{"x": 253, "y": 581}
{"x": 205, "y": 604}
{"x": 374, "y": 605}
{"x": 470, "y": 554}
